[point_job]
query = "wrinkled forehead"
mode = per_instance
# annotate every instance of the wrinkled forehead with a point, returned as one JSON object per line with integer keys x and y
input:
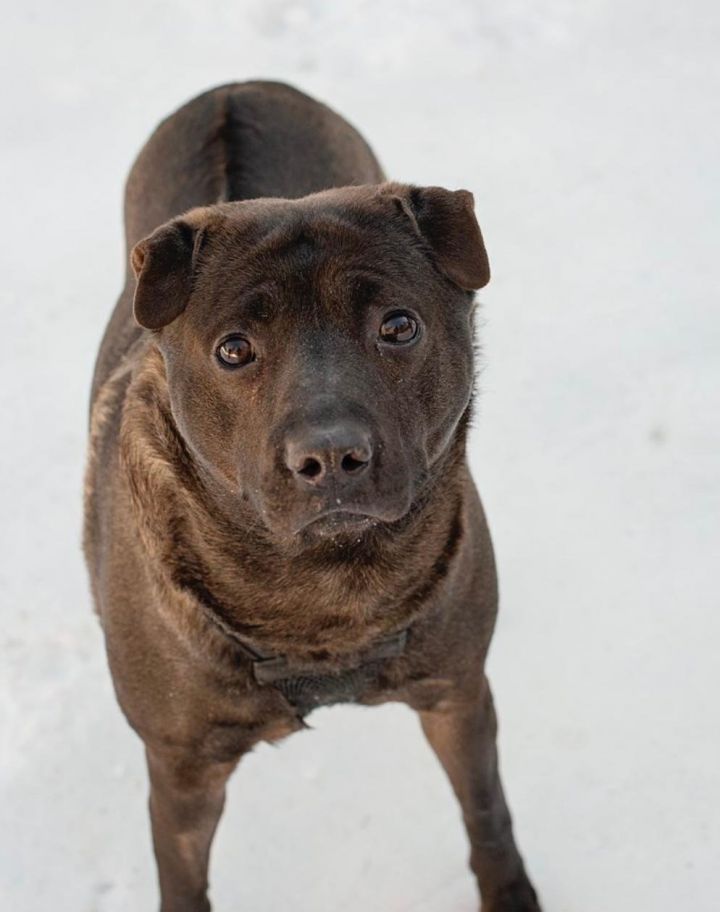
{"x": 268, "y": 256}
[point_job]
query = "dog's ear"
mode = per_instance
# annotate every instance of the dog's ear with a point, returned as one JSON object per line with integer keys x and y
{"x": 446, "y": 220}
{"x": 163, "y": 267}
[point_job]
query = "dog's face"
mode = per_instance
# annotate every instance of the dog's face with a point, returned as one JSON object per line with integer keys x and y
{"x": 318, "y": 351}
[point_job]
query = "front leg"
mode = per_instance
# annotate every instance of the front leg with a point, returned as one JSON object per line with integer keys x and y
{"x": 462, "y": 733}
{"x": 187, "y": 794}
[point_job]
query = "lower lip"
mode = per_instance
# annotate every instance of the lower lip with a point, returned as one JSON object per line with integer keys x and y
{"x": 340, "y": 521}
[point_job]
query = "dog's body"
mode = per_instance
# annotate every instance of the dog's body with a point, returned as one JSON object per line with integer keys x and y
{"x": 279, "y": 514}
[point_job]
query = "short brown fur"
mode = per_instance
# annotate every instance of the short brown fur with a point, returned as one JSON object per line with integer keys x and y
{"x": 208, "y": 549}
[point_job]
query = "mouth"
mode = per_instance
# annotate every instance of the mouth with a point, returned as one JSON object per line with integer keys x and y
{"x": 332, "y": 523}
{"x": 328, "y": 516}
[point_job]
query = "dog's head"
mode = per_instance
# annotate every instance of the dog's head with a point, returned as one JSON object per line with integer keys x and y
{"x": 318, "y": 351}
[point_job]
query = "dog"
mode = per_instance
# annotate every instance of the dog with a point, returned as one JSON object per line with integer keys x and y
{"x": 278, "y": 509}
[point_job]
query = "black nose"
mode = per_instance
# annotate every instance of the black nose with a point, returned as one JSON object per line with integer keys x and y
{"x": 336, "y": 454}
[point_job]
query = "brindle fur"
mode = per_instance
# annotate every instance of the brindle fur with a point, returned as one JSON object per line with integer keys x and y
{"x": 191, "y": 563}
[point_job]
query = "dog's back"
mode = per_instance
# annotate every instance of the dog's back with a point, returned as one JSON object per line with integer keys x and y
{"x": 240, "y": 141}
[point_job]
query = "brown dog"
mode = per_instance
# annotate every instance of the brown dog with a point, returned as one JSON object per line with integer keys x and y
{"x": 279, "y": 513}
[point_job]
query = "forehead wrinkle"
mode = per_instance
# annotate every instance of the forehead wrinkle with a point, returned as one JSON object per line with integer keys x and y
{"x": 348, "y": 288}
{"x": 320, "y": 264}
{"x": 329, "y": 230}
{"x": 257, "y": 304}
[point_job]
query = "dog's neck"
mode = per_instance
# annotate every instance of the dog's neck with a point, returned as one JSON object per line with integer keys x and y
{"x": 318, "y": 600}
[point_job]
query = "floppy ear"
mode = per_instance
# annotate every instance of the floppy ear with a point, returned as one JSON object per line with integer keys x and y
{"x": 446, "y": 220}
{"x": 163, "y": 267}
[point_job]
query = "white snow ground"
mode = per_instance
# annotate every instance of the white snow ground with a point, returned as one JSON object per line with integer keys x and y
{"x": 589, "y": 134}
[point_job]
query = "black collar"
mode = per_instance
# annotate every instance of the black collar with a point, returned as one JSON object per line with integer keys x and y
{"x": 307, "y": 686}
{"x": 273, "y": 669}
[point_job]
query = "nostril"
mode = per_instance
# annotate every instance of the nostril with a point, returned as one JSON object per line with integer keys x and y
{"x": 334, "y": 456}
{"x": 351, "y": 463}
{"x": 310, "y": 468}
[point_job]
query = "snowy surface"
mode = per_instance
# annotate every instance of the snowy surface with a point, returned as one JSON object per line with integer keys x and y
{"x": 589, "y": 133}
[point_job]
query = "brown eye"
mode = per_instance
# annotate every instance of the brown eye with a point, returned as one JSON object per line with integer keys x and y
{"x": 235, "y": 351}
{"x": 399, "y": 328}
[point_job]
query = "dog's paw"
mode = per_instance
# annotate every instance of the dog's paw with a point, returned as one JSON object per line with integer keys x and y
{"x": 516, "y": 897}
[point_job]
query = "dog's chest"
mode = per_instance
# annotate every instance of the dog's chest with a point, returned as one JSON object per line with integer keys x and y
{"x": 307, "y": 692}
{"x": 307, "y": 688}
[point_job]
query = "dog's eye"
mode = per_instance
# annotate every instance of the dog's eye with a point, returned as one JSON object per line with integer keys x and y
{"x": 399, "y": 328}
{"x": 235, "y": 351}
